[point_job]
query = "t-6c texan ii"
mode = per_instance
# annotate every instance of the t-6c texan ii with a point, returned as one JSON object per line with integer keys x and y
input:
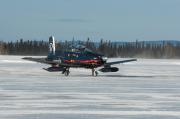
{"x": 76, "y": 58}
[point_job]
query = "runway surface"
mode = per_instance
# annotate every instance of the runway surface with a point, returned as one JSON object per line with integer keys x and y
{"x": 146, "y": 89}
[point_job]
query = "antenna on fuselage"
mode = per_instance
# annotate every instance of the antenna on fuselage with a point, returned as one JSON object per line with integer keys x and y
{"x": 52, "y": 47}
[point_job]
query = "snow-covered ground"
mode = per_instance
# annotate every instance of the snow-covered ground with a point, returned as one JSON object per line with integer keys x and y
{"x": 146, "y": 89}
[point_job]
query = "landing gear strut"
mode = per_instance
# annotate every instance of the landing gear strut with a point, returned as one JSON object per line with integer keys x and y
{"x": 66, "y": 72}
{"x": 94, "y": 72}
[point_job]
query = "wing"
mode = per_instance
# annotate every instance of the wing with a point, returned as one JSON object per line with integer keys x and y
{"x": 40, "y": 60}
{"x": 45, "y": 61}
{"x": 119, "y": 62}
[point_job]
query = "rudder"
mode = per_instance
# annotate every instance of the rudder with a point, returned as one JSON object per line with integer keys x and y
{"x": 52, "y": 47}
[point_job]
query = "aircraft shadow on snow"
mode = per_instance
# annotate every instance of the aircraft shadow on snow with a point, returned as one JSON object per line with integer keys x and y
{"x": 125, "y": 76}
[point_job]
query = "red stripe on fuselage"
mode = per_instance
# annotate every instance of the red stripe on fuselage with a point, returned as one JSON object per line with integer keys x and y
{"x": 84, "y": 62}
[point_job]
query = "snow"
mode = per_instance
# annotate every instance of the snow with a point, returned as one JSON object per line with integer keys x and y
{"x": 148, "y": 88}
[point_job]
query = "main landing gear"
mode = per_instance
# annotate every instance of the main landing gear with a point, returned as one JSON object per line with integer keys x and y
{"x": 94, "y": 72}
{"x": 66, "y": 72}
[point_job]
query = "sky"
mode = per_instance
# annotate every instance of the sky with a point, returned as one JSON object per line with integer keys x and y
{"x": 116, "y": 20}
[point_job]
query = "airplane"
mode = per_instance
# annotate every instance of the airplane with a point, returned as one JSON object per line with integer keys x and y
{"x": 80, "y": 57}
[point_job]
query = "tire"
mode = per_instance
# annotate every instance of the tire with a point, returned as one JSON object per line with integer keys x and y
{"x": 96, "y": 73}
{"x": 66, "y": 73}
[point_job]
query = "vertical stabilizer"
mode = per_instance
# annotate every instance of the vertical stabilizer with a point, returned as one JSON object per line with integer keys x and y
{"x": 52, "y": 47}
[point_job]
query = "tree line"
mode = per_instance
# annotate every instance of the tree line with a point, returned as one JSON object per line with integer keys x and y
{"x": 138, "y": 49}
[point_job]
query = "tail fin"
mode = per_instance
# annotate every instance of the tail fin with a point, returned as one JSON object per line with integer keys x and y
{"x": 52, "y": 47}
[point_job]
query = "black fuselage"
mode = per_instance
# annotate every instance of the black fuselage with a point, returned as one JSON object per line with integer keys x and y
{"x": 86, "y": 59}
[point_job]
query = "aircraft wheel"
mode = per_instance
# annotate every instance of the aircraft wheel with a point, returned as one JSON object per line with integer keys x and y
{"x": 96, "y": 73}
{"x": 67, "y": 73}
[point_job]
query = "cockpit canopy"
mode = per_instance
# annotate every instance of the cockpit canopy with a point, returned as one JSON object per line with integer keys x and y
{"x": 80, "y": 48}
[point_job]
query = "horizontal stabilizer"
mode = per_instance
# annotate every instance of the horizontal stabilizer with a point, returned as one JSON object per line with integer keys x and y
{"x": 119, "y": 62}
{"x": 40, "y": 60}
{"x": 54, "y": 69}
